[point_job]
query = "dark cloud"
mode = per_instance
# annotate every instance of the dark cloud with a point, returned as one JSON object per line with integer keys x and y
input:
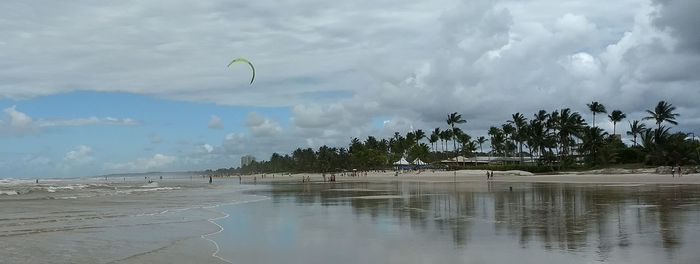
{"x": 681, "y": 18}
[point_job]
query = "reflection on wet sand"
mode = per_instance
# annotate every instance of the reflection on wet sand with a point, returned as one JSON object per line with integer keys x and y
{"x": 588, "y": 219}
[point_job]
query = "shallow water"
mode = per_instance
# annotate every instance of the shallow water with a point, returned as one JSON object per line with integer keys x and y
{"x": 465, "y": 223}
{"x": 98, "y": 221}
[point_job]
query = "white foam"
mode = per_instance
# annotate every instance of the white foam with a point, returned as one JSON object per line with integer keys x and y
{"x": 221, "y": 228}
{"x": 150, "y": 185}
{"x": 10, "y": 192}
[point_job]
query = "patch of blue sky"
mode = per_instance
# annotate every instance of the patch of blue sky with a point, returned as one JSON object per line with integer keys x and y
{"x": 179, "y": 125}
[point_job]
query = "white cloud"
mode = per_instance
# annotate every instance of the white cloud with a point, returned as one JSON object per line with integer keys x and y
{"x": 158, "y": 161}
{"x": 582, "y": 65}
{"x": 260, "y": 126}
{"x": 208, "y": 148}
{"x": 82, "y": 154}
{"x": 19, "y": 123}
{"x": 88, "y": 121}
{"x": 215, "y": 122}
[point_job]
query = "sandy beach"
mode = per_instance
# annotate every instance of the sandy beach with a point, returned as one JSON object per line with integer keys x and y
{"x": 176, "y": 220}
{"x": 592, "y": 177}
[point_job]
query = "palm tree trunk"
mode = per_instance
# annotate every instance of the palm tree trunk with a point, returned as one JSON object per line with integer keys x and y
{"x": 520, "y": 152}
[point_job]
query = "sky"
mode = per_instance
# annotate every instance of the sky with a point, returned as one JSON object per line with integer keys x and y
{"x": 97, "y": 87}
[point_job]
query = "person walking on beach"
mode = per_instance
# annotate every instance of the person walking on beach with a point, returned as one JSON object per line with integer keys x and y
{"x": 679, "y": 171}
{"x": 210, "y": 180}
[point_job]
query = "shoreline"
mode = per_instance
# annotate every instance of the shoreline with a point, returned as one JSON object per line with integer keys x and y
{"x": 476, "y": 176}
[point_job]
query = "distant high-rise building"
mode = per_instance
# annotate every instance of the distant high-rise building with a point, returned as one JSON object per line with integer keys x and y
{"x": 247, "y": 160}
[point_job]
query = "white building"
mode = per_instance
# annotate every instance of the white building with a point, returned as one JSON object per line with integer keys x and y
{"x": 247, "y": 160}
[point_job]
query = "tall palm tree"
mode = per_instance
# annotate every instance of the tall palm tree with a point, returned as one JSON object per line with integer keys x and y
{"x": 481, "y": 140}
{"x": 538, "y": 135}
{"x": 419, "y": 134}
{"x": 552, "y": 124}
{"x": 497, "y": 139}
{"x": 596, "y": 107}
{"x": 593, "y": 139}
{"x": 541, "y": 116}
{"x": 636, "y": 128}
{"x": 509, "y": 133}
{"x": 520, "y": 122}
{"x": 569, "y": 125}
{"x": 616, "y": 116}
{"x": 434, "y": 138}
{"x": 446, "y": 135}
{"x": 663, "y": 112}
{"x": 452, "y": 120}
{"x": 462, "y": 139}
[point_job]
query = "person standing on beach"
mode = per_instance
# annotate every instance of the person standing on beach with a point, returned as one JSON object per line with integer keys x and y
{"x": 210, "y": 180}
{"x": 679, "y": 171}
{"x": 673, "y": 172}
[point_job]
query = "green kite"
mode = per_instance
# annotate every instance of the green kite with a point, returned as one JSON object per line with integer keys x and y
{"x": 242, "y": 60}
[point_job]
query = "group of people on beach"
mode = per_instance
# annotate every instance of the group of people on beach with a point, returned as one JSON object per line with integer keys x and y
{"x": 489, "y": 175}
{"x": 673, "y": 171}
{"x": 331, "y": 178}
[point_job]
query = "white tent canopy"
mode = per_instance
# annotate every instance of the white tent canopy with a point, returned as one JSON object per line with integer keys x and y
{"x": 402, "y": 161}
{"x": 419, "y": 162}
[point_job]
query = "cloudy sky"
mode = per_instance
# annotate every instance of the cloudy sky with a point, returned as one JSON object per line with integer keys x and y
{"x": 94, "y": 87}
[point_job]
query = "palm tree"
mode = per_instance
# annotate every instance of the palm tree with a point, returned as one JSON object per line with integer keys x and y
{"x": 434, "y": 138}
{"x": 538, "y": 135}
{"x": 509, "y": 133}
{"x": 445, "y": 135}
{"x": 462, "y": 138}
{"x": 481, "y": 140}
{"x": 616, "y": 116}
{"x": 636, "y": 128}
{"x": 419, "y": 134}
{"x": 452, "y": 120}
{"x": 569, "y": 125}
{"x": 541, "y": 116}
{"x": 663, "y": 112}
{"x": 596, "y": 107}
{"x": 593, "y": 139}
{"x": 497, "y": 139}
{"x": 520, "y": 122}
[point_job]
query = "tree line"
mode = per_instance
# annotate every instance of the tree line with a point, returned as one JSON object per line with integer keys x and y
{"x": 557, "y": 139}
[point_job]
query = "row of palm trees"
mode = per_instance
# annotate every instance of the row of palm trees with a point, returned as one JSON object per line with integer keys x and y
{"x": 560, "y": 137}
{"x": 556, "y": 135}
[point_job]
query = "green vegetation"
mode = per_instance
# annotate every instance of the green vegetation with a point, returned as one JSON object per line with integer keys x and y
{"x": 550, "y": 141}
